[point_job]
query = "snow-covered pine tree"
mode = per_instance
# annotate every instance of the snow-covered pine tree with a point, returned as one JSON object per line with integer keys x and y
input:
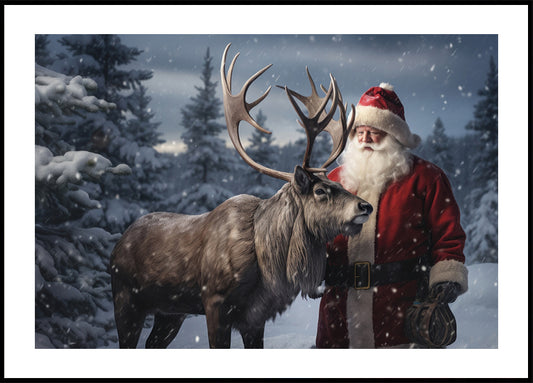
{"x": 72, "y": 296}
{"x": 209, "y": 164}
{"x": 482, "y": 201}
{"x": 119, "y": 137}
{"x": 141, "y": 126}
{"x": 42, "y": 53}
{"x": 423, "y": 150}
{"x": 58, "y": 112}
{"x": 462, "y": 183}
{"x": 100, "y": 57}
{"x": 320, "y": 153}
{"x": 321, "y": 150}
{"x": 482, "y": 227}
{"x": 439, "y": 143}
{"x": 150, "y": 165}
{"x": 485, "y": 123}
{"x": 263, "y": 151}
{"x": 286, "y": 161}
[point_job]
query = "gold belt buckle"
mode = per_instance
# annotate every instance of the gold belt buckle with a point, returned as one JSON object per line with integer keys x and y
{"x": 355, "y": 275}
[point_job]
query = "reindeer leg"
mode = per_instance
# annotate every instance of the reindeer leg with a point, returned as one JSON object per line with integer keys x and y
{"x": 218, "y": 323}
{"x": 252, "y": 337}
{"x": 128, "y": 317}
{"x": 166, "y": 327}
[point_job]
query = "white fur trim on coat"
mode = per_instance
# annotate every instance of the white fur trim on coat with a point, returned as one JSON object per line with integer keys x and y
{"x": 359, "y": 303}
{"x": 449, "y": 270}
{"x": 360, "y": 318}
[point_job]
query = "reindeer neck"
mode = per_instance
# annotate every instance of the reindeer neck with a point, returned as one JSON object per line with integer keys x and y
{"x": 273, "y": 226}
{"x": 284, "y": 247}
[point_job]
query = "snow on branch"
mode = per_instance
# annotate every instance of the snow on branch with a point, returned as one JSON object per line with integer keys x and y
{"x": 72, "y": 165}
{"x": 63, "y": 93}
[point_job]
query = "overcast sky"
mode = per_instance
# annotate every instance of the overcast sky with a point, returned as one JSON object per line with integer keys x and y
{"x": 434, "y": 75}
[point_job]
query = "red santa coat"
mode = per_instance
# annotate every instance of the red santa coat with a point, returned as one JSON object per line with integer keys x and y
{"x": 413, "y": 216}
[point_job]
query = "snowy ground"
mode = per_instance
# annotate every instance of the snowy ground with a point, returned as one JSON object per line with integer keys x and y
{"x": 476, "y": 312}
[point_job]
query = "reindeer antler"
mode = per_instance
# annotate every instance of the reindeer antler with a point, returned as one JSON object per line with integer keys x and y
{"x": 337, "y": 129}
{"x": 237, "y": 109}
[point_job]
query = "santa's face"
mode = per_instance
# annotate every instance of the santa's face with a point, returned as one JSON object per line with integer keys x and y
{"x": 370, "y": 163}
{"x": 369, "y": 135}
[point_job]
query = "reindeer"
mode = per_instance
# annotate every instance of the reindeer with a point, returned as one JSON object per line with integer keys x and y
{"x": 245, "y": 261}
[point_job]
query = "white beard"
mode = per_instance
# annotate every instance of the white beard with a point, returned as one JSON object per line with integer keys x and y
{"x": 370, "y": 171}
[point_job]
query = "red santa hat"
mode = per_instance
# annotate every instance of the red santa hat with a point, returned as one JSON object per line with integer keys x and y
{"x": 380, "y": 108}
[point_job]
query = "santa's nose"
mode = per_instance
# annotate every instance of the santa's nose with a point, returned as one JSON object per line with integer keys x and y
{"x": 366, "y": 137}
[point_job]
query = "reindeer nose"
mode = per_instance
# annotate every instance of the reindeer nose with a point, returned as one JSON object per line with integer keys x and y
{"x": 366, "y": 207}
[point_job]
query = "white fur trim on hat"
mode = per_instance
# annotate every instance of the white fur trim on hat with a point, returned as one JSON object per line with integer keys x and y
{"x": 449, "y": 270}
{"x": 387, "y": 121}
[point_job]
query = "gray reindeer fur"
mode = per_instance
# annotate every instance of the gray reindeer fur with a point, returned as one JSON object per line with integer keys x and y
{"x": 240, "y": 265}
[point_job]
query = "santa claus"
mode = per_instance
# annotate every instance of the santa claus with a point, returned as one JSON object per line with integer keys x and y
{"x": 412, "y": 246}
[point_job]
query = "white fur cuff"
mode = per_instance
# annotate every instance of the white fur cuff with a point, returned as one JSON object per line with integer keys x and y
{"x": 449, "y": 270}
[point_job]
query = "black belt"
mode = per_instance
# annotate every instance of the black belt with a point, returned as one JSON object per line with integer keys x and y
{"x": 363, "y": 275}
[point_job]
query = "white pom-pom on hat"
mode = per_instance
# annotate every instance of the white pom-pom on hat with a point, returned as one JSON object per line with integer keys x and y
{"x": 386, "y": 86}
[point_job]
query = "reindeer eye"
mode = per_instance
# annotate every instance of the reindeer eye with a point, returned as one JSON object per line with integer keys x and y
{"x": 320, "y": 191}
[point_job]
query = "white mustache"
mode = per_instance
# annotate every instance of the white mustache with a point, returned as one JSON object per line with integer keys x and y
{"x": 372, "y": 145}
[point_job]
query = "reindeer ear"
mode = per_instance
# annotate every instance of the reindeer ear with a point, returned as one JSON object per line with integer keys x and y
{"x": 303, "y": 180}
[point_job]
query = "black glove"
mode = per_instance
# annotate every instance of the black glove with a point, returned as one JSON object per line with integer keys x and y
{"x": 445, "y": 292}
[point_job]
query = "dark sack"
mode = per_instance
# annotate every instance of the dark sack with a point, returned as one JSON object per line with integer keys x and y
{"x": 431, "y": 324}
